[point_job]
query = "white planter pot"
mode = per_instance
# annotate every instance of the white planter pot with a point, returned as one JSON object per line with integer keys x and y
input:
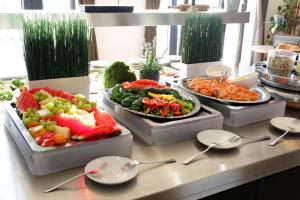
{"x": 74, "y": 85}
{"x": 192, "y": 70}
{"x": 231, "y": 5}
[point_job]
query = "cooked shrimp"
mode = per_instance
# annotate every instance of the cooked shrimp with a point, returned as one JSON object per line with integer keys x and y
{"x": 224, "y": 90}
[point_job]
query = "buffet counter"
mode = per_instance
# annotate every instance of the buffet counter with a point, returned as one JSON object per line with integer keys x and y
{"x": 216, "y": 171}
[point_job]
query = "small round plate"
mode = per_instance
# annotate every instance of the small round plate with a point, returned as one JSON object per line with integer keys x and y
{"x": 284, "y": 124}
{"x": 218, "y": 137}
{"x": 112, "y": 174}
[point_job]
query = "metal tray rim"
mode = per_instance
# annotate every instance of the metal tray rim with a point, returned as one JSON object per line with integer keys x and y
{"x": 257, "y": 88}
{"x": 35, "y": 147}
{"x": 289, "y": 83}
{"x": 197, "y": 106}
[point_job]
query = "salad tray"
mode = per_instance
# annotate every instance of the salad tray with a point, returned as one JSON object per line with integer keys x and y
{"x": 292, "y": 82}
{"x": 46, "y": 160}
{"x": 185, "y": 95}
{"x": 164, "y": 131}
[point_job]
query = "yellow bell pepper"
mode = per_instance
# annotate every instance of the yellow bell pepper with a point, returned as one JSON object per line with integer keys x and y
{"x": 169, "y": 97}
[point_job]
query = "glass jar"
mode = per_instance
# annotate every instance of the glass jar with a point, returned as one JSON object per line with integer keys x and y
{"x": 298, "y": 68}
{"x": 281, "y": 62}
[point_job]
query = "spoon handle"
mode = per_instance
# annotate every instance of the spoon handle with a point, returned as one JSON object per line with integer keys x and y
{"x": 190, "y": 159}
{"x": 161, "y": 161}
{"x": 64, "y": 182}
{"x": 250, "y": 140}
{"x": 277, "y": 139}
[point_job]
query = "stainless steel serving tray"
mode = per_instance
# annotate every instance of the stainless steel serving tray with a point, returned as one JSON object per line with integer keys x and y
{"x": 264, "y": 94}
{"x": 157, "y": 131}
{"x": 185, "y": 95}
{"x": 46, "y": 160}
{"x": 289, "y": 83}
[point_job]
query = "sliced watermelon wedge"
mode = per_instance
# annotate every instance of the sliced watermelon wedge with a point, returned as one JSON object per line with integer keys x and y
{"x": 25, "y": 101}
{"x": 56, "y": 93}
{"x": 105, "y": 125}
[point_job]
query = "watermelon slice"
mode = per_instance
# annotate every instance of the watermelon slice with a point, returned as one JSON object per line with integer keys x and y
{"x": 25, "y": 101}
{"x": 105, "y": 125}
{"x": 56, "y": 93}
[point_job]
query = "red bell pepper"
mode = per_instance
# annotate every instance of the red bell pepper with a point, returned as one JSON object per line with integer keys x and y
{"x": 144, "y": 83}
{"x": 164, "y": 106}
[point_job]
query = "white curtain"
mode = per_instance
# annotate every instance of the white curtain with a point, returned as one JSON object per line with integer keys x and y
{"x": 259, "y": 30}
{"x": 254, "y": 31}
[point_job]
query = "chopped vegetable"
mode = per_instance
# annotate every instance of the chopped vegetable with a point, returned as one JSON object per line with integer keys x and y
{"x": 6, "y": 95}
{"x": 144, "y": 83}
{"x": 18, "y": 83}
{"x": 164, "y": 102}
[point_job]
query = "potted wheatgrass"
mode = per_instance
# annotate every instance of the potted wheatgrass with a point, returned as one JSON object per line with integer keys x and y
{"x": 56, "y": 51}
{"x": 202, "y": 43}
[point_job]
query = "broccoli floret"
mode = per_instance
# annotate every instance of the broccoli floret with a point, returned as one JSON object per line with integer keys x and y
{"x": 116, "y": 73}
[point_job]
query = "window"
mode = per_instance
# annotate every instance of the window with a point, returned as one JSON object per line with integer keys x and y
{"x": 11, "y": 53}
{"x": 168, "y": 37}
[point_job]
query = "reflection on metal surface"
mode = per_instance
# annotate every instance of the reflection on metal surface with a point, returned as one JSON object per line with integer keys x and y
{"x": 140, "y": 18}
{"x": 291, "y": 97}
{"x": 223, "y": 167}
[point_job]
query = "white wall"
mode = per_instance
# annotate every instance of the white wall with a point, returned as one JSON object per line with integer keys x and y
{"x": 120, "y": 43}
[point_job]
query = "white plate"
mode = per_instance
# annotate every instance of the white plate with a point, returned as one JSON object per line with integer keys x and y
{"x": 282, "y": 123}
{"x": 112, "y": 174}
{"x": 219, "y": 137}
{"x": 99, "y": 63}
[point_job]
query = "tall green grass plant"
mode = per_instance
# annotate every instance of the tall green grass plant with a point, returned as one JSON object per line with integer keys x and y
{"x": 203, "y": 38}
{"x": 55, "y": 45}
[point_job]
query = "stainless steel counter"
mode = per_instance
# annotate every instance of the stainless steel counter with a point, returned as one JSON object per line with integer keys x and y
{"x": 215, "y": 172}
